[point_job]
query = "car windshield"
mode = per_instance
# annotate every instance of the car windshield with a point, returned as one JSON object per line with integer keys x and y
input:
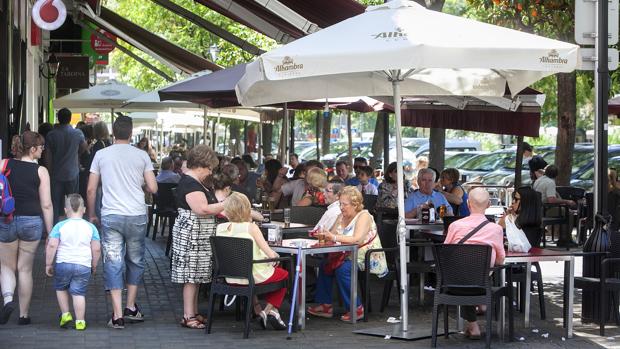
{"x": 589, "y": 173}
{"x": 581, "y": 157}
{"x": 486, "y": 162}
{"x": 457, "y": 159}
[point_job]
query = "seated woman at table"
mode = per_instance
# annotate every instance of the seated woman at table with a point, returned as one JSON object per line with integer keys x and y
{"x": 315, "y": 194}
{"x": 450, "y": 188}
{"x": 388, "y": 189}
{"x": 196, "y": 222}
{"x": 237, "y": 209}
{"x": 354, "y": 226}
{"x": 526, "y": 213}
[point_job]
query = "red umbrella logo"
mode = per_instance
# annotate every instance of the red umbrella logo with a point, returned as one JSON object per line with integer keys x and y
{"x": 49, "y": 14}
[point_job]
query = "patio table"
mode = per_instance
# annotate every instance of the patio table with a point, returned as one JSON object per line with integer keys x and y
{"x": 543, "y": 255}
{"x": 293, "y": 228}
{"x": 309, "y": 247}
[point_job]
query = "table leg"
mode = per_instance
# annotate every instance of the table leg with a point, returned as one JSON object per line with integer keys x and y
{"x": 528, "y": 294}
{"x": 459, "y": 319}
{"x": 353, "y": 303}
{"x": 502, "y": 306}
{"x": 302, "y": 298}
{"x": 569, "y": 269}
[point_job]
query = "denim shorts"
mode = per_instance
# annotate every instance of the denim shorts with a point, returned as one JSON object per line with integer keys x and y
{"x": 72, "y": 277}
{"x": 122, "y": 240}
{"x": 24, "y": 228}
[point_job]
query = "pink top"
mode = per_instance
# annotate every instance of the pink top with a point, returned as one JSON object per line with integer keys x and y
{"x": 491, "y": 234}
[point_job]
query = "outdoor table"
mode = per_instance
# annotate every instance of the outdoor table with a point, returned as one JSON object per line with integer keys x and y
{"x": 293, "y": 228}
{"x": 309, "y": 247}
{"x": 543, "y": 255}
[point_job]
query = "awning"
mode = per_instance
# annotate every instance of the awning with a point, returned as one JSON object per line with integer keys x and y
{"x": 144, "y": 40}
{"x": 253, "y": 15}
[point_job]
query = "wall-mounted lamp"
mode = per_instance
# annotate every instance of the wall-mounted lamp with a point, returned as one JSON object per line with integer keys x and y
{"x": 214, "y": 52}
{"x": 52, "y": 67}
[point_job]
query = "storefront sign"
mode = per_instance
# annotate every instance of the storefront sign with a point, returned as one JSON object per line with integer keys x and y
{"x": 49, "y": 14}
{"x": 101, "y": 46}
{"x": 73, "y": 72}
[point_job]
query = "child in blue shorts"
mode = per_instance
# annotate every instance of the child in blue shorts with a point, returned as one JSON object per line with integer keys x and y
{"x": 75, "y": 244}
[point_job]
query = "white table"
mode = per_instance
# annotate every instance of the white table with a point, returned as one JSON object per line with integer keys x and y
{"x": 305, "y": 251}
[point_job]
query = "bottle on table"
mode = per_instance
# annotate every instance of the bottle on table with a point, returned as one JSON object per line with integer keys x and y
{"x": 431, "y": 212}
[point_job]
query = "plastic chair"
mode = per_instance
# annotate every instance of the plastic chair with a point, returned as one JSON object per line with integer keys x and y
{"x": 465, "y": 269}
{"x": 233, "y": 259}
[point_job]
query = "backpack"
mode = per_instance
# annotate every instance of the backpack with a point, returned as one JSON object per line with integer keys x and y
{"x": 7, "y": 201}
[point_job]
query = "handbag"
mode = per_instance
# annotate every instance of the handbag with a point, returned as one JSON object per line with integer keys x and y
{"x": 378, "y": 263}
{"x": 517, "y": 240}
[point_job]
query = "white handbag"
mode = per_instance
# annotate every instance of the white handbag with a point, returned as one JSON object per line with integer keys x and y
{"x": 517, "y": 240}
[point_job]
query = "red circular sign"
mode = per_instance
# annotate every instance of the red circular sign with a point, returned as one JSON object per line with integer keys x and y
{"x": 101, "y": 46}
{"x": 49, "y": 14}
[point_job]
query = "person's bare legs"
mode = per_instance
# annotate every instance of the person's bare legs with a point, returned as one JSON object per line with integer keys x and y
{"x": 79, "y": 306}
{"x": 63, "y": 301}
{"x": 190, "y": 292}
{"x": 25, "y": 259}
{"x": 472, "y": 328}
{"x": 117, "y": 302}
{"x": 132, "y": 293}
{"x": 8, "y": 267}
{"x": 196, "y": 299}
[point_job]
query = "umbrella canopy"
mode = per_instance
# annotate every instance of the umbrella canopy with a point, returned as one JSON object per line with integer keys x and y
{"x": 442, "y": 54}
{"x": 108, "y": 95}
{"x": 401, "y": 48}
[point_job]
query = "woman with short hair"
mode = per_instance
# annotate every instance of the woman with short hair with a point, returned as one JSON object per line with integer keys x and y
{"x": 238, "y": 211}
{"x": 450, "y": 188}
{"x": 195, "y": 224}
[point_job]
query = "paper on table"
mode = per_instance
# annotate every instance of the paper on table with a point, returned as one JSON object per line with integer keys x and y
{"x": 298, "y": 242}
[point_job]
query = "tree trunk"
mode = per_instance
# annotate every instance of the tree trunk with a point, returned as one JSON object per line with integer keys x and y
{"x": 567, "y": 119}
{"x": 234, "y": 138}
{"x": 377, "y": 140}
{"x": 326, "y": 133}
{"x": 518, "y": 162}
{"x": 436, "y": 148}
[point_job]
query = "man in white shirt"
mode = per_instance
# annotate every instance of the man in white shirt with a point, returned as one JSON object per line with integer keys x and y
{"x": 124, "y": 171}
{"x": 332, "y": 190}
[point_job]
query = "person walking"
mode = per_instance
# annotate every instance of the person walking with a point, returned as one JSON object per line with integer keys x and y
{"x": 123, "y": 171}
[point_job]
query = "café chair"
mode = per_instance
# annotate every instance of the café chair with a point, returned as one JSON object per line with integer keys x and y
{"x": 233, "y": 259}
{"x": 309, "y": 215}
{"x": 608, "y": 284}
{"x": 370, "y": 201}
{"x": 165, "y": 208}
{"x": 463, "y": 279}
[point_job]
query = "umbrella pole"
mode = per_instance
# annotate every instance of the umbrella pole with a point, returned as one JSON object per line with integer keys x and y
{"x": 260, "y": 140}
{"x": 402, "y": 232}
{"x": 205, "y": 125}
{"x": 350, "y": 136}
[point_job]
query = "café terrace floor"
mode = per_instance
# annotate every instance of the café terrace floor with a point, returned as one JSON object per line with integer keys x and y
{"x": 162, "y": 304}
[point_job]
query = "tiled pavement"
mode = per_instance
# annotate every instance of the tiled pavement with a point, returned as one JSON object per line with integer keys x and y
{"x": 161, "y": 302}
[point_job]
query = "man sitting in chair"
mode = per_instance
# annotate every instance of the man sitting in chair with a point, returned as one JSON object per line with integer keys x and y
{"x": 488, "y": 234}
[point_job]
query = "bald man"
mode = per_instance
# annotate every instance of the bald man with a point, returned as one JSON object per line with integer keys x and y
{"x": 491, "y": 234}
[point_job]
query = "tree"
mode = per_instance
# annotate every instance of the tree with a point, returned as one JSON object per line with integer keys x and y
{"x": 551, "y": 18}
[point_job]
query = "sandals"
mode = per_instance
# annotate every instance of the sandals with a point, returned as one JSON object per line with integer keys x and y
{"x": 201, "y": 318}
{"x": 193, "y": 323}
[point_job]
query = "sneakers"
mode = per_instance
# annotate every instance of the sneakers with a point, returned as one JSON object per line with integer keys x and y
{"x": 275, "y": 321}
{"x": 116, "y": 324}
{"x": 65, "y": 320}
{"x": 321, "y": 310}
{"x": 80, "y": 325}
{"x": 133, "y": 315}
{"x": 359, "y": 311}
{"x": 5, "y": 312}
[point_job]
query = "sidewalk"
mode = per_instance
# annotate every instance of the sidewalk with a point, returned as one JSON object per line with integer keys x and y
{"x": 161, "y": 303}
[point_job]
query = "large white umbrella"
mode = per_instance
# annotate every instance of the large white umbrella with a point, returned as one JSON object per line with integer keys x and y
{"x": 109, "y": 95}
{"x": 401, "y": 48}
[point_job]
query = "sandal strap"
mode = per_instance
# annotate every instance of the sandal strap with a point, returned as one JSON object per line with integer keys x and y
{"x": 192, "y": 322}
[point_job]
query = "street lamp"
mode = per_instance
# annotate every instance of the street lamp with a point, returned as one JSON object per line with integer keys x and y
{"x": 52, "y": 67}
{"x": 214, "y": 52}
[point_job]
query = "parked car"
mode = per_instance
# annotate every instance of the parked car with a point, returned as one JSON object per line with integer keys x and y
{"x": 584, "y": 178}
{"x": 479, "y": 165}
{"x": 451, "y": 145}
{"x": 456, "y": 158}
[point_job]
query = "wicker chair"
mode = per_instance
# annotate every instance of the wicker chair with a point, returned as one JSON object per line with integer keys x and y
{"x": 309, "y": 215}
{"x": 165, "y": 208}
{"x": 233, "y": 259}
{"x": 465, "y": 269}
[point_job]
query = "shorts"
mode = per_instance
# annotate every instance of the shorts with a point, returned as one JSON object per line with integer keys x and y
{"x": 24, "y": 228}
{"x": 72, "y": 277}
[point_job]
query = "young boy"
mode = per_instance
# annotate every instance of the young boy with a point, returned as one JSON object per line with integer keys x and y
{"x": 78, "y": 247}
{"x": 363, "y": 174}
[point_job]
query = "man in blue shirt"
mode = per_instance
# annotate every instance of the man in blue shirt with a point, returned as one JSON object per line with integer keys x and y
{"x": 418, "y": 199}
{"x": 166, "y": 174}
{"x": 358, "y": 163}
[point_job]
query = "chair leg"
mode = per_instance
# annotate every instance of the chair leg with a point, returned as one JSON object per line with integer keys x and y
{"x": 169, "y": 242}
{"x": 489, "y": 318}
{"x": 170, "y": 225}
{"x": 156, "y": 227}
{"x": 541, "y": 292}
{"x": 210, "y": 311}
{"x": 387, "y": 290}
{"x": 164, "y": 221}
{"x": 601, "y": 316}
{"x": 248, "y": 312}
{"x": 445, "y": 321}
{"x": 435, "y": 323}
{"x": 511, "y": 324}
{"x": 149, "y": 223}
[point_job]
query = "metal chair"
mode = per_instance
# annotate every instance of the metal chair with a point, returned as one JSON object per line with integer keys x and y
{"x": 233, "y": 259}
{"x": 463, "y": 279}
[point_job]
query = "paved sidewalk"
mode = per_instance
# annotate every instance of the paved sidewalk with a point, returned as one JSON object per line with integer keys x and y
{"x": 162, "y": 304}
